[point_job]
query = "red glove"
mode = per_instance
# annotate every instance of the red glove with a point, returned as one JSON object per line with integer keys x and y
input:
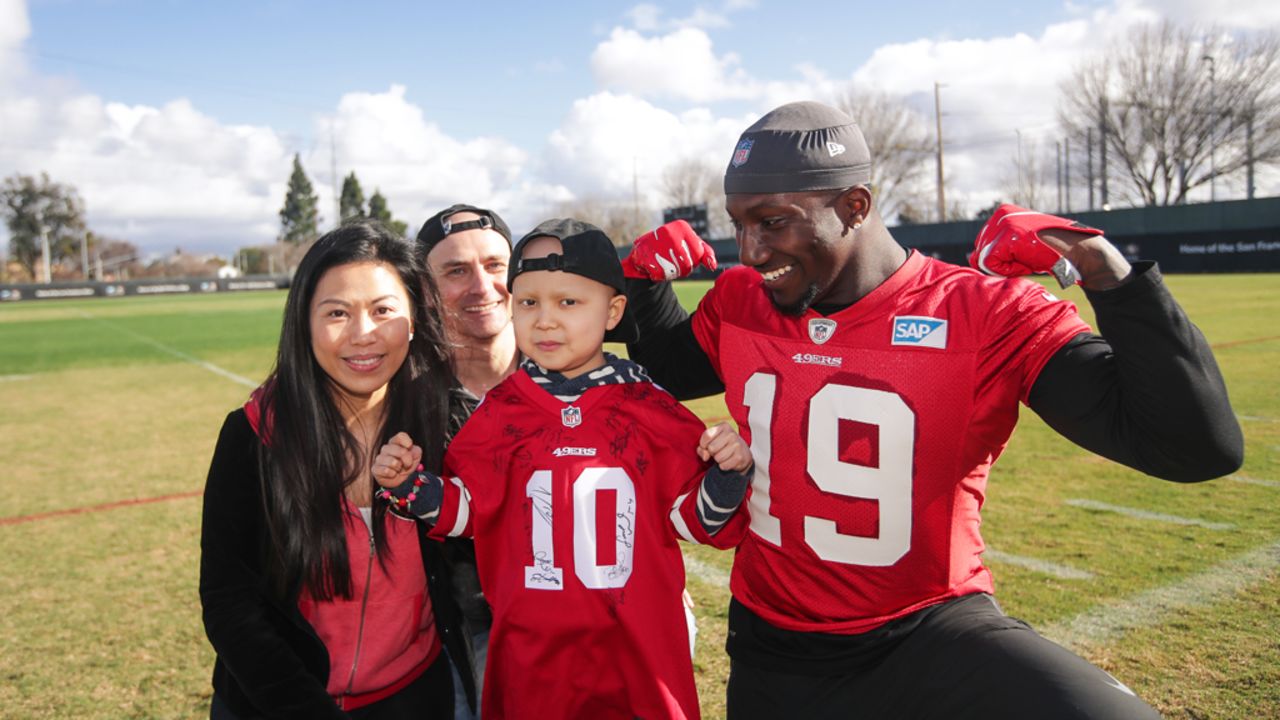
{"x": 1010, "y": 245}
{"x": 672, "y": 251}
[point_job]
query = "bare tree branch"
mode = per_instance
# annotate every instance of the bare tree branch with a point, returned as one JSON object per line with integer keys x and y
{"x": 900, "y": 144}
{"x": 1178, "y": 107}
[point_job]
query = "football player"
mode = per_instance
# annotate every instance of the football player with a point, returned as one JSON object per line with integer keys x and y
{"x": 876, "y": 387}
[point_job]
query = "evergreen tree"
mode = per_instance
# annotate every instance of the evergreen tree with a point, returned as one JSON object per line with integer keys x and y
{"x": 300, "y": 216}
{"x": 351, "y": 202}
{"x": 379, "y": 211}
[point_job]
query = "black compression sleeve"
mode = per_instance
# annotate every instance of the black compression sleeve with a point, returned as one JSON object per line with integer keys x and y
{"x": 1149, "y": 395}
{"x": 667, "y": 347}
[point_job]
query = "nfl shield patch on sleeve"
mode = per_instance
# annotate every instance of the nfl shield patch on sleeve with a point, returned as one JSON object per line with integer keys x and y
{"x": 920, "y": 331}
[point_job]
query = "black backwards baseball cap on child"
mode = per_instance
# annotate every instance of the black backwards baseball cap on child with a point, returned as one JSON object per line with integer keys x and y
{"x": 586, "y": 251}
{"x": 441, "y": 225}
{"x": 799, "y": 147}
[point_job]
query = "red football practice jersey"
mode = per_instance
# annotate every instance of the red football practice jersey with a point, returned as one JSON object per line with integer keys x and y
{"x": 576, "y": 509}
{"x": 873, "y": 430}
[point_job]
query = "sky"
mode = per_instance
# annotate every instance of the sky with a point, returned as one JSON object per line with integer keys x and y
{"x": 177, "y": 122}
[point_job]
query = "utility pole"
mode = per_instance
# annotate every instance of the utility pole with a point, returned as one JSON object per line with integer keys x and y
{"x": 1213, "y": 132}
{"x": 1102, "y": 150}
{"x": 1066, "y": 175}
{"x": 1088, "y": 153}
{"x": 1248, "y": 149}
{"x": 1058, "y": 171}
{"x": 44, "y": 250}
{"x": 84, "y": 254}
{"x": 1021, "y": 187}
{"x": 937, "y": 113}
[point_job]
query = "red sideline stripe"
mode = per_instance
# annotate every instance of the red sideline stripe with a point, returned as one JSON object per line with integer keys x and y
{"x": 18, "y": 520}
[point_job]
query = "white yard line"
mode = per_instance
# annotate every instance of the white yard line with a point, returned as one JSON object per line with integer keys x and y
{"x": 1041, "y": 566}
{"x": 1146, "y": 514}
{"x": 15, "y": 378}
{"x": 177, "y": 353}
{"x": 1151, "y": 607}
{"x": 706, "y": 573}
{"x": 1254, "y": 481}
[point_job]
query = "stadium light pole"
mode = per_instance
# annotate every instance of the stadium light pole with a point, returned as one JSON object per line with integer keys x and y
{"x": 44, "y": 250}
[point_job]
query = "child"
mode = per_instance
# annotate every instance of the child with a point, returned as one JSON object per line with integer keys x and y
{"x": 575, "y": 476}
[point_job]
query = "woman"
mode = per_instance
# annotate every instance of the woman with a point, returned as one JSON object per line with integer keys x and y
{"x": 318, "y": 602}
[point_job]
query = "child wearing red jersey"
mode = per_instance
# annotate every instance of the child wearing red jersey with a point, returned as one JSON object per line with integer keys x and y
{"x": 576, "y": 476}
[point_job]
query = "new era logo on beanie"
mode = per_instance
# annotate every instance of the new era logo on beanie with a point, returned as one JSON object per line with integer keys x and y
{"x": 586, "y": 251}
{"x": 799, "y": 147}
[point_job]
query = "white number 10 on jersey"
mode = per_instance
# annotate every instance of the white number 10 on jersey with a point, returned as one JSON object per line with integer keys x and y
{"x": 544, "y": 574}
{"x": 889, "y": 484}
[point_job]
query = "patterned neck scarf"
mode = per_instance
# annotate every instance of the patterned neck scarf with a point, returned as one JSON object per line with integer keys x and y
{"x": 615, "y": 371}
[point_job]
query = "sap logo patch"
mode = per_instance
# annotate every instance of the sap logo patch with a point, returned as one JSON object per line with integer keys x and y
{"x": 920, "y": 331}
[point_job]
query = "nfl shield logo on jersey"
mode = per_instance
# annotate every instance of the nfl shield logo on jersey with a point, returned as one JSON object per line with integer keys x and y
{"x": 821, "y": 330}
{"x": 742, "y": 153}
{"x": 571, "y": 416}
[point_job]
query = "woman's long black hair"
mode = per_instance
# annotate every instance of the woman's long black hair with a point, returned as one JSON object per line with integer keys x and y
{"x": 308, "y": 453}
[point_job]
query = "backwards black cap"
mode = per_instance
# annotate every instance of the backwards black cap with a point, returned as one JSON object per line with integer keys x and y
{"x": 585, "y": 251}
{"x": 440, "y": 225}
{"x": 799, "y": 147}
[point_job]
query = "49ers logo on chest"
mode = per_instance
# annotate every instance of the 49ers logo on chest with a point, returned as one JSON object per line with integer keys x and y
{"x": 821, "y": 330}
{"x": 571, "y": 416}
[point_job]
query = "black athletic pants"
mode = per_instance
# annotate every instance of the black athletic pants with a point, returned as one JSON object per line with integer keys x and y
{"x": 967, "y": 659}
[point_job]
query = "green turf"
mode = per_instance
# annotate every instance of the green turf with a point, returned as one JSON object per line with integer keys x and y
{"x": 98, "y": 611}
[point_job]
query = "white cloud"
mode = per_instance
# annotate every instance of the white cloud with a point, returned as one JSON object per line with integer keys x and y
{"x": 645, "y": 16}
{"x": 14, "y": 29}
{"x": 683, "y": 65}
{"x": 140, "y": 168}
{"x": 610, "y": 144}
{"x": 649, "y": 17}
{"x": 680, "y": 64}
{"x": 1232, "y": 14}
{"x": 992, "y": 90}
{"x": 391, "y": 146}
{"x": 170, "y": 175}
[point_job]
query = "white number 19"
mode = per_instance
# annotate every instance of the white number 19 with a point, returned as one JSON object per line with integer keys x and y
{"x": 889, "y": 484}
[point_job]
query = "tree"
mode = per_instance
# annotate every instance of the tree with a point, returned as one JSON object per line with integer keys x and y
{"x": 986, "y": 212}
{"x": 1029, "y": 184}
{"x": 35, "y": 204}
{"x": 623, "y": 221}
{"x": 1177, "y": 108}
{"x": 899, "y": 140}
{"x": 379, "y": 211}
{"x": 692, "y": 181}
{"x": 114, "y": 259}
{"x": 300, "y": 216}
{"x": 351, "y": 202}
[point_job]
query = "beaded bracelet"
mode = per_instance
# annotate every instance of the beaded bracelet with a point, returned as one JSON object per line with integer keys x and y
{"x": 398, "y": 503}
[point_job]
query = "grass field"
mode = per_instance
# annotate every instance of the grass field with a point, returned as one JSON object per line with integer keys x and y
{"x": 113, "y": 406}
